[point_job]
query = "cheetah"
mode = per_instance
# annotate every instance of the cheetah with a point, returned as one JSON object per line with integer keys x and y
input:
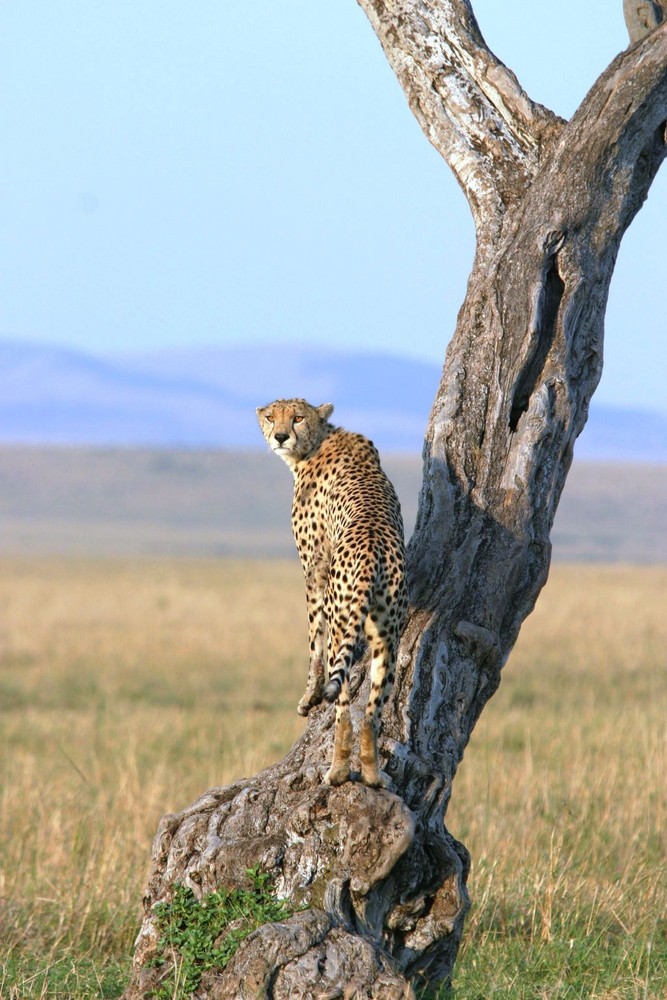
{"x": 348, "y": 529}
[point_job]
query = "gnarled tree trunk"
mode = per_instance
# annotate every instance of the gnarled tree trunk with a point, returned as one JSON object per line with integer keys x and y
{"x": 383, "y": 881}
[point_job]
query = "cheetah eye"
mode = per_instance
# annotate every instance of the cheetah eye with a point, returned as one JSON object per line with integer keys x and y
{"x": 297, "y": 420}
{"x": 268, "y": 417}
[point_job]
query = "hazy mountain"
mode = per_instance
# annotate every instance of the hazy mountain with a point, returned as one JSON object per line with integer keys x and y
{"x": 207, "y": 398}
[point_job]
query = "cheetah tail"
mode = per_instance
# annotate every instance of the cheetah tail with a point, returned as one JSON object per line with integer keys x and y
{"x": 340, "y": 670}
{"x": 332, "y": 690}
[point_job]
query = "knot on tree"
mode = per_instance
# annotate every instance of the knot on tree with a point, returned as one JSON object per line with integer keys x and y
{"x": 482, "y": 643}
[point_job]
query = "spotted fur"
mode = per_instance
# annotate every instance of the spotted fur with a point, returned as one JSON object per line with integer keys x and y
{"x": 348, "y": 529}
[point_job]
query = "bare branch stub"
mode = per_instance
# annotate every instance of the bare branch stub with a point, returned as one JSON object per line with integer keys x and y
{"x": 642, "y": 17}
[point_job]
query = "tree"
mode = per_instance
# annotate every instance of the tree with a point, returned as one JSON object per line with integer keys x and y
{"x": 382, "y": 882}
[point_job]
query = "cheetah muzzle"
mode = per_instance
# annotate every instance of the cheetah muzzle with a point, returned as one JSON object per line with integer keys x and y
{"x": 348, "y": 529}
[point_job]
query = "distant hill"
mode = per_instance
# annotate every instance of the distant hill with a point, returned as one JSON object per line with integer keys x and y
{"x": 207, "y": 399}
{"x": 161, "y": 502}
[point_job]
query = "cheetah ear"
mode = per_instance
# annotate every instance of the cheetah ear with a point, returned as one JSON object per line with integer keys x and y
{"x": 325, "y": 410}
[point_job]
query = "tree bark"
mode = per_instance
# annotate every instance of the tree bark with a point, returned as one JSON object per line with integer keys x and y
{"x": 383, "y": 881}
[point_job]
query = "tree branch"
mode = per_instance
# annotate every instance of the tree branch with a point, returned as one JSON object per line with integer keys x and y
{"x": 469, "y": 104}
{"x": 504, "y": 422}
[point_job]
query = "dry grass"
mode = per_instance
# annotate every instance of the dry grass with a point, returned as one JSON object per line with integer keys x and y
{"x": 127, "y": 688}
{"x": 561, "y": 798}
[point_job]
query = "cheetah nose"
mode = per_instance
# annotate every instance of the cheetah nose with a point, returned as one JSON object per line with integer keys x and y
{"x": 281, "y": 438}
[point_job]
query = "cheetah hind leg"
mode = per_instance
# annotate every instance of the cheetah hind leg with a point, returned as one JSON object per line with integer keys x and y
{"x": 371, "y": 774}
{"x": 313, "y": 694}
{"x": 382, "y": 679}
{"x": 339, "y": 772}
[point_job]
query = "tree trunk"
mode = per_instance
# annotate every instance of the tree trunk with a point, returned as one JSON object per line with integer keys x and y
{"x": 383, "y": 881}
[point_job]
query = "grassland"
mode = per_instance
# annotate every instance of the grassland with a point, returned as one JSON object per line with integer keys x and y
{"x": 129, "y": 687}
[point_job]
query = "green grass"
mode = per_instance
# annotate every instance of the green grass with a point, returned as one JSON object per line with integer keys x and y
{"x": 199, "y": 935}
{"x": 68, "y": 978}
{"x": 128, "y": 688}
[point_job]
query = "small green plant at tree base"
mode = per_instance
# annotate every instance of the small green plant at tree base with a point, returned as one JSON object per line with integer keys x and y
{"x": 198, "y": 935}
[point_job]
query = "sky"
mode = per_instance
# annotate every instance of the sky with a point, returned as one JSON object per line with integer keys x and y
{"x": 217, "y": 173}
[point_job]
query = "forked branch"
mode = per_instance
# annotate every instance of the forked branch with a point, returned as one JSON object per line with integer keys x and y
{"x": 469, "y": 104}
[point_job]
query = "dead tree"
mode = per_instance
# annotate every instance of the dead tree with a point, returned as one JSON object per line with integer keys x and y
{"x": 383, "y": 881}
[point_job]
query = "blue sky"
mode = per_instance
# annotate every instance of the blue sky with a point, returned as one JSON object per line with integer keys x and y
{"x": 219, "y": 173}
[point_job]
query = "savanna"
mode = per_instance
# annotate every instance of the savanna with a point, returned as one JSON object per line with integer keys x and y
{"x": 128, "y": 687}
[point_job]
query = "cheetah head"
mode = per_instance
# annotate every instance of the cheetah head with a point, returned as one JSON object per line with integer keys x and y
{"x": 293, "y": 428}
